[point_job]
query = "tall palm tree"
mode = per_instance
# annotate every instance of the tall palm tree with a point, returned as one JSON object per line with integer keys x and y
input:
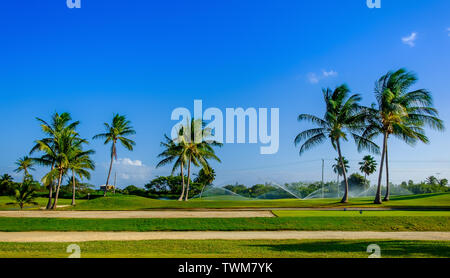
{"x": 24, "y": 164}
{"x": 62, "y": 153}
{"x": 52, "y": 130}
{"x": 174, "y": 151}
{"x": 79, "y": 164}
{"x": 338, "y": 169}
{"x": 344, "y": 115}
{"x": 116, "y": 132}
{"x": 197, "y": 151}
{"x": 400, "y": 113}
{"x": 368, "y": 166}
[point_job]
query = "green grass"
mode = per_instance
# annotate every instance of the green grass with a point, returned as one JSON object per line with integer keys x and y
{"x": 231, "y": 249}
{"x": 122, "y": 202}
{"x": 363, "y": 213}
{"x": 42, "y": 202}
{"x": 356, "y": 223}
{"x": 425, "y": 201}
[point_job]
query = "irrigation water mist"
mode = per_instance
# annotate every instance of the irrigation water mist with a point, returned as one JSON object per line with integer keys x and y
{"x": 288, "y": 191}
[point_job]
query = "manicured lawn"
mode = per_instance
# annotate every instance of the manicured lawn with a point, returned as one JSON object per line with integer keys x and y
{"x": 123, "y": 202}
{"x": 42, "y": 202}
{"x": 231, "y": 249}
{"x": 425, "y": 201}
{"x": 325, "y": 223}
{"x": 363, "y": 213}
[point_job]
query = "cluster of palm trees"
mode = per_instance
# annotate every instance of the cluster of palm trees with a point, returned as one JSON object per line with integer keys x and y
{"x": 398, "y": 112}
{"x": 64, "y": 152}
{"x": 368, "y": 166}
{"x": 189, "y": 147}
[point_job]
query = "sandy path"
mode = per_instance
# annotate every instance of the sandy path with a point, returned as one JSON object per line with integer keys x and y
{"x": 96, "y": 236}
{"x": 140, "y": 214}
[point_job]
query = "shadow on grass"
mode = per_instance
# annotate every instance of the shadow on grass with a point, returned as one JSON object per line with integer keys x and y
{"x": 413, "y": 197}
{"x": 388, "y": 248}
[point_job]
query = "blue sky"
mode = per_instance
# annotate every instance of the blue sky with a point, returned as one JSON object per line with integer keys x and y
{"x": 146, "y": 58}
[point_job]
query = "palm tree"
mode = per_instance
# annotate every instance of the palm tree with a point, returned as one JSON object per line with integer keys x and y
{"x": 6, "y": 183}
{"x": 197, "y": 151}
{"x": 343, "y": 116}
{"x": 79, "y": 164}
{"x": 400, "y": 113}
{"x": 24, "y": 164}
{"x": 63, "y": 152}
{"x": 337, "y": 169}
{"x": 24, "y": 193}
{"x": 117, "y": 131}
{"x": 174, "y": 151}
{"x": 52, "y": 129}
{"x": 368, "y": 166}
{"x": 205, "y": 177}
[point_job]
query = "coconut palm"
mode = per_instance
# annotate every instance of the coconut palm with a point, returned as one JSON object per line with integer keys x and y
{"x": 79, "y": 164}
{"x": 24, "y": 164}
{"x": 52, "y": 130}
{"x": 205, "y": 177}
{"x": 6, "y": 184}
{"x": 338, "y": 169}
{"x": 192, "y": 139}
{"x": 174, "y": 151}
{"x": 344, "y": 115}
{"x": 400, "y": 113}
{"x": 116, "y": 132}
{"x": 63, "y": 151}
{"x": 24, "y": 193}
{"x": 368, "y": 166}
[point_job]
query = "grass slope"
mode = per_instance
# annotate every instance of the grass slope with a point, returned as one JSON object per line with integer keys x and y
{"x": 230, "y": 249}
{"x": 330, "y": 223}
{"x": 425, "y": 201}
{"x": 352, "y": 213}
{"x": 42, "y": 202}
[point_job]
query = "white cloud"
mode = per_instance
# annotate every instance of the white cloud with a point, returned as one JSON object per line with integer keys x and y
{"x": 131, "y": 171}
{"x": 448, "y": 30}
{"x": 127, "y": 161}
{"x": 330, "y": 73}
{"x": 410, "y": 40}
{"x": 314, "y": 78}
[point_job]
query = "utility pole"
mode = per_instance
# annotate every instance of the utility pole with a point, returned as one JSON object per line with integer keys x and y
{"x": 323, "y": 165}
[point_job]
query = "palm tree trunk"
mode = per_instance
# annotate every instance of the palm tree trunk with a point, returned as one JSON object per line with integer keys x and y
{"x": 344, "y": 173}
{"x": 55, "y": 203}
{"x": 189, "y": 178}
{"x": 50, "y": 191}
{"x": 109, "y": 172}
{"x": 182, "y": 181}
{"x": 386, "y": 197}
{"x": 73, "y": 189}
{"x": 338, "y": 185}
{"x": 380, "y": 175}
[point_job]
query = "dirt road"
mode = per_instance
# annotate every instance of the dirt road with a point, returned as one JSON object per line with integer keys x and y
{"x": 275, "y": 235}
{"x": 140, "y": 214}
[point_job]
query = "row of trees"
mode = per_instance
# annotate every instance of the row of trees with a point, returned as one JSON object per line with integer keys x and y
{"x": 398, "y": 112}
{"x": 64, "y": 152}
{"x": 187, "y": 149}
{"x": 368, "y": 166}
